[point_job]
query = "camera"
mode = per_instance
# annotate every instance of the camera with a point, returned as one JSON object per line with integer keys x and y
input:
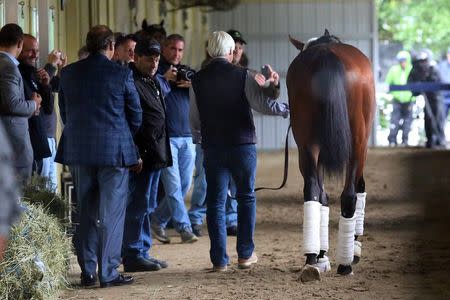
{"x": 185, "y": 73}
{"x": 265, "y": 71}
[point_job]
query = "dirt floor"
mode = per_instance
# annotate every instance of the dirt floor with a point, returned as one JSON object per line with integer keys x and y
{"x": 406, "y": 245}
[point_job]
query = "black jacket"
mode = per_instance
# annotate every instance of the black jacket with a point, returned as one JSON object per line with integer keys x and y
{"x": 152, "y": 138}
{"x": 37, "y": 124}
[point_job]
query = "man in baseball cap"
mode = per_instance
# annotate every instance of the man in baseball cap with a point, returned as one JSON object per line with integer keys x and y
{"x": 155, "y": 154}
{"x": 237, "y": 36}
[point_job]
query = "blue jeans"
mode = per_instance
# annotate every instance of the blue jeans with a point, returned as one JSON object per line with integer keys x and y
{"x": 197, "y": 212}
{"x": 101, "y": 195}
{"x": 177, "y": 181}
{"x": 49, "y": 165}
{"x": 142, "y": 192}
{"x": 221, "y": 164}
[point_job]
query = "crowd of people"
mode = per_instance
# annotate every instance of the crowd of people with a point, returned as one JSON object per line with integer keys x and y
{"x": 420, "y": 68}
{"x": 138, "y": 127}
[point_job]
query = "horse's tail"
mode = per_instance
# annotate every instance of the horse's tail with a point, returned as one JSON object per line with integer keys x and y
{"x": 333, "y": 127}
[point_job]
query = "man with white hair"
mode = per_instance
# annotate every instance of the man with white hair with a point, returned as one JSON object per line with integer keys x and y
{"x": 222, "y": 96}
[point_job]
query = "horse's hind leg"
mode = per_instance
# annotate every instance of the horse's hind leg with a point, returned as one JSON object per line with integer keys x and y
{"x": 311, "y": 212}
{"x": 322, "y": 260}
{"x": 359, "y": 214}
{"x": 347, "y": 222}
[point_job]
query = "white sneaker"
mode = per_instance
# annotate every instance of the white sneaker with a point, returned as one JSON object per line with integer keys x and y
{"x": 246, "y": 263}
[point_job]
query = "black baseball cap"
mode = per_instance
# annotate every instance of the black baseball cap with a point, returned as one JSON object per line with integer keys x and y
{"x": 237, "y": 36}
{"x": 147, "y": 47}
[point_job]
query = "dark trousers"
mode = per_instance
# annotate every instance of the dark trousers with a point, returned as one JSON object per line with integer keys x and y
{"x": 434, "y": 121}
{"x": 101, "y": 195}
{"x": 401, "y": 119}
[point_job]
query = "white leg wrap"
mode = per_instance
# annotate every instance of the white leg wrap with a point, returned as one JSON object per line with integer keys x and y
{"x": 360, "y": 212}
{"x": 324, "y": 219}
{"x": 346, "y": 236}
{"x": 311, "y": 227}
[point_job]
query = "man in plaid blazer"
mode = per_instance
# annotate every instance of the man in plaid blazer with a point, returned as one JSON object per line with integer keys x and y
{"x": 101, "y": 111}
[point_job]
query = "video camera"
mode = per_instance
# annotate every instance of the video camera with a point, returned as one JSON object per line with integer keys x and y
{"x": 185, "y": 73}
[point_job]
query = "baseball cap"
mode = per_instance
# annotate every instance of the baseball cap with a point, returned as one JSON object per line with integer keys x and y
{"x": 403, "y": 56}
{"x": 147, "y": 47}
{"x": 237, "y": 36}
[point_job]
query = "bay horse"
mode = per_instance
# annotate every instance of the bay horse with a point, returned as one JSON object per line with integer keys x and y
{"x": 332, "y": 104}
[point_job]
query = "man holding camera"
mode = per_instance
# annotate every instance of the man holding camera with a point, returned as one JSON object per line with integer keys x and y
{"x": 177, "y": 178}
{"x": 222, "y": 98}
{"x": 43, "y": 126}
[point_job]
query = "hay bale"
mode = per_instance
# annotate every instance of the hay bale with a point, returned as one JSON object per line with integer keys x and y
{"x": 39, "y": 191}
{"x": 37, "y": 258}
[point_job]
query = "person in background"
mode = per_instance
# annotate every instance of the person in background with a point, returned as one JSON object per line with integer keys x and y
{"x": 15, "y": 109}
{"x": 43, "y": 126}
{"x": 124, "y": 48}
{"x": 101, "y": 111}
{"x": 82, "y": 53}
{"x": 177, "y": 178}
{"x": 425, "y": 70}
{"x": 402, "y": 101}
{"x": 9, "y": 196}
{"x": 222, "y": 98}
{"x": 444, "y": 71}
{"x": 152, "y": 140}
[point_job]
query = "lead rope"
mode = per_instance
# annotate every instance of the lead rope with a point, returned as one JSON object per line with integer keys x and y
{"x": 286, "y": 165}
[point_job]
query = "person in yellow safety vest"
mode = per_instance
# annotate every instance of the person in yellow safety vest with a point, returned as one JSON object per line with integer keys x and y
{"x": 401, "y": 117}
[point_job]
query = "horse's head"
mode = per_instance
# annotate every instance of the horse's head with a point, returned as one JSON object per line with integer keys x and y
{"x": 154, "y": 31}
{"x": 421, "y": 68}
{"x": 326, "y": 38}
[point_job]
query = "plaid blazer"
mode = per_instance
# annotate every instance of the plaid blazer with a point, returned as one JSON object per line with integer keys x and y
{"x": 101, "y": 111}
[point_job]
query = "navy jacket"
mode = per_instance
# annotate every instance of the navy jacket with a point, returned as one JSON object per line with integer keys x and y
{"x": 100, "y": 108}
{"x": 177, "y": 107}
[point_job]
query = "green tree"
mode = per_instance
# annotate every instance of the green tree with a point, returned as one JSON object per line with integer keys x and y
{"x": 415, "y": 23}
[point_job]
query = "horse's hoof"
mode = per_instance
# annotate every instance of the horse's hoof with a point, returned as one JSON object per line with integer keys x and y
{"x": 357, "y": 252}
{"x": 323, "y": 264}
{"x": 309, "y": 273}
{"x": 344, "y": 270}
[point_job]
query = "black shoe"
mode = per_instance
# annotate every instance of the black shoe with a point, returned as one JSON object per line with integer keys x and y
{"x": 187, "y": 237}
{"x": 197, "y": 230}
{"x": 120, "y": 280}
{"x": 88, "y": 279}
{"x": 163, "y": 264}
{"x": 140, "y": 264}
{"x": 232, "y": 230}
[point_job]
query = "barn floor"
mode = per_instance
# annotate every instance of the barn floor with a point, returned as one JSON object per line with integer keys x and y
{"x": 405, "y": 247}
